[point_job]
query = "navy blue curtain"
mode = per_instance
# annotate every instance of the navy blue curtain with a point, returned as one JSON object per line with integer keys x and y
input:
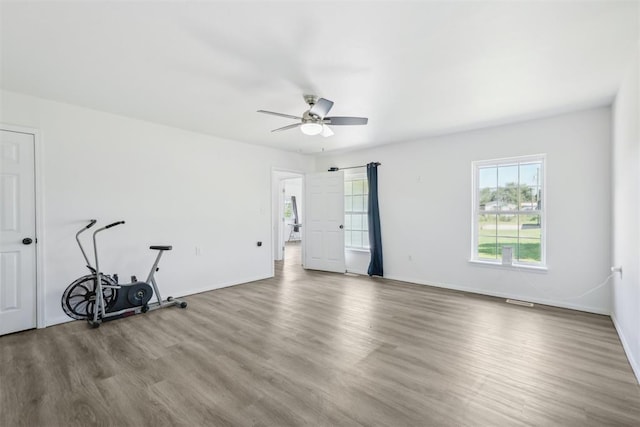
{"x": 373, "y": 214}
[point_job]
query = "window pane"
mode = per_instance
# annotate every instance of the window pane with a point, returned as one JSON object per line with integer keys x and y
{"x": 487, "y": 236}
{"x": 288, "y": 209}
{"x": 365, "y": 222}
{"x": 487, "y": 225}
{"x": 530, "y": 174}
{"x": 507, "y": 226}
{"x": 356, "y": 222}
{"x": 358, "y": 187}
{"x": 507, "y": 193}
{"x": 347, "y": 221}
{"x": 507, "y": 174}
{"x": 347, "y": 238}
{"x": 530, "y": 238}
{"x": 530, "y": 250}
{"x": 365, "y": 185}
{"x": 358, "y": 203}
{"x": 530, "y": 226}
{"x": 487, "y": 199}
{"x": 487, "y": 247}
{"x": 528, "y": 197}
{"x": 356, "y": 239}
{"x": 365, "y": 240}
{"x": 366, "y": 203}
{"x": 488, "y": 177}
{"x": 348, "y": 203}
{"x": 347, "y": 188}
{"x": 507, "y": 197}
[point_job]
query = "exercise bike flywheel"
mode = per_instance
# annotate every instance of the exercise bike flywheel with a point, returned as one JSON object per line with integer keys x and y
{"x": 79, "y": 299}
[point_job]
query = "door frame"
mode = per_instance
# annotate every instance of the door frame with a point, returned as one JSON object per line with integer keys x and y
{"x": 275, "y": 187}
{"x": 39, "y": 225}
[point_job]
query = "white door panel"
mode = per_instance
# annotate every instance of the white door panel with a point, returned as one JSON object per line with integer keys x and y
{"x": 324, "y": 238}
{"x": 17, "y": 222}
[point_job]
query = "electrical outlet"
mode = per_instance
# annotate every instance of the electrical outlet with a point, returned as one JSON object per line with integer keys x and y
{"x": 410, "y": 258}
{"x": 198, "y": 251}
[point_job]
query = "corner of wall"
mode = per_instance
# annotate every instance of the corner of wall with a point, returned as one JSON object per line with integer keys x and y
{"x": 635, "y": 366}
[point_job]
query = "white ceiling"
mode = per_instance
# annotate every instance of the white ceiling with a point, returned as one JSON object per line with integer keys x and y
{"x": 414, "y": 68}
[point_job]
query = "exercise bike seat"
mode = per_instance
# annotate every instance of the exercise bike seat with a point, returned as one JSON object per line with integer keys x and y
{"x": 161, "y": 248}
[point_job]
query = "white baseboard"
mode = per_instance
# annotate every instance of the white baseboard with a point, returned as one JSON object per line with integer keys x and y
{"x": 58, "y": 320}
{"x": 561, "y": 304}
{"x": 627, "y": 349}
{"x": 361, "y": 273}
{"x": 221, "y": 285}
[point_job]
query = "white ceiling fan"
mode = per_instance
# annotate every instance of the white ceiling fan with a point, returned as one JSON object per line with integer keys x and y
{"x": 314, "y": 121}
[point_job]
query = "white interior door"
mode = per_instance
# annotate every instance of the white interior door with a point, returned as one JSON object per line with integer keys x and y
{"x": 324, "y": 219}
{"x": 17, "y": 226}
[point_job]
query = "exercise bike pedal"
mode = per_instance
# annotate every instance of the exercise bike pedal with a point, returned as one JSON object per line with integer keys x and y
{"x": 182, "y": 304}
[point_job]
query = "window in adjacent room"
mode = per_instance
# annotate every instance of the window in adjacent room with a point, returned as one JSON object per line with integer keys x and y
{"x": 509, "y": 210}
{"x": 356, "y": 225}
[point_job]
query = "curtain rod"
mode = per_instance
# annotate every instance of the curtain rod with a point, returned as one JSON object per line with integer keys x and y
{"x": 334, "y": 169}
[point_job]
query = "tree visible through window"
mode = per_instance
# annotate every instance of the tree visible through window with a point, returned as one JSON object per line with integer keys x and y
{"x": 356, "y": 225}
{"x": 508, "y": 209}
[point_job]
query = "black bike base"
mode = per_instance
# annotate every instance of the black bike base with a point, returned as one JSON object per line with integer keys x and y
{"x": 137, "y": 310}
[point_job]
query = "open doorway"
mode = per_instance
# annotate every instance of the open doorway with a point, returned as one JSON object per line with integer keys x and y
{"x": 292, "y": 214}
{"x": 287, "y": 213}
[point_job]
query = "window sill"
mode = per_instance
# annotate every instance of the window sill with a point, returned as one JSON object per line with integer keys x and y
{"x": 540, "y": 268}
{"x": 358, "y": 250}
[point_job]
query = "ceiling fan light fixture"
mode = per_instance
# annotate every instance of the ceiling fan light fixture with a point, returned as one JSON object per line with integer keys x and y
{"x": 311, "y": 128}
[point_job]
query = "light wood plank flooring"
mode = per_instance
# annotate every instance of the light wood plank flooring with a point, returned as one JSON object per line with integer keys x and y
{"x": 312, "y": 348}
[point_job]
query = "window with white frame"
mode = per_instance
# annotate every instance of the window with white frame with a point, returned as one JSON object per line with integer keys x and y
{"x": 509, "y": 210}
{"x": 356, "y": 224}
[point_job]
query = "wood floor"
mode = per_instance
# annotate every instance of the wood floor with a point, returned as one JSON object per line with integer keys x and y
{"x": 311, "y": 348}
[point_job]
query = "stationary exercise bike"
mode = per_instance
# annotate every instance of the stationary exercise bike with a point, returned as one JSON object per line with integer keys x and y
{"x": 98, "y": 297}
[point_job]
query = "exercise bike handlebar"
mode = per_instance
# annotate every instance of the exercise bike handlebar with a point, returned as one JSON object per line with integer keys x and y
{"x": 106, "y": 227}
{"x": 95, "y": 245}
{"x": 92, "y": 222}
{"x": 114, "y": 224}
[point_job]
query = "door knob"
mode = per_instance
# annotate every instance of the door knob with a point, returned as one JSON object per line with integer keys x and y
{"x": 341, "y": 226}
{"x": 27, "y": 241}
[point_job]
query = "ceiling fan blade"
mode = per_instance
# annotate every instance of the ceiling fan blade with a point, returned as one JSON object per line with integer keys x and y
{"x": 295, "y": 125}
{"x": 326, "y": 131}
{"x": 346, "y": 120}
{"x": 321, "y": 107}
{"x": 280, "y": 114}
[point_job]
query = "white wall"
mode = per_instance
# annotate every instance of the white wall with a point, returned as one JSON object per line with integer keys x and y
{"x": 425, "y": 203}
{"x": 171, "y": 186}
{"x": 626, "y": 214}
